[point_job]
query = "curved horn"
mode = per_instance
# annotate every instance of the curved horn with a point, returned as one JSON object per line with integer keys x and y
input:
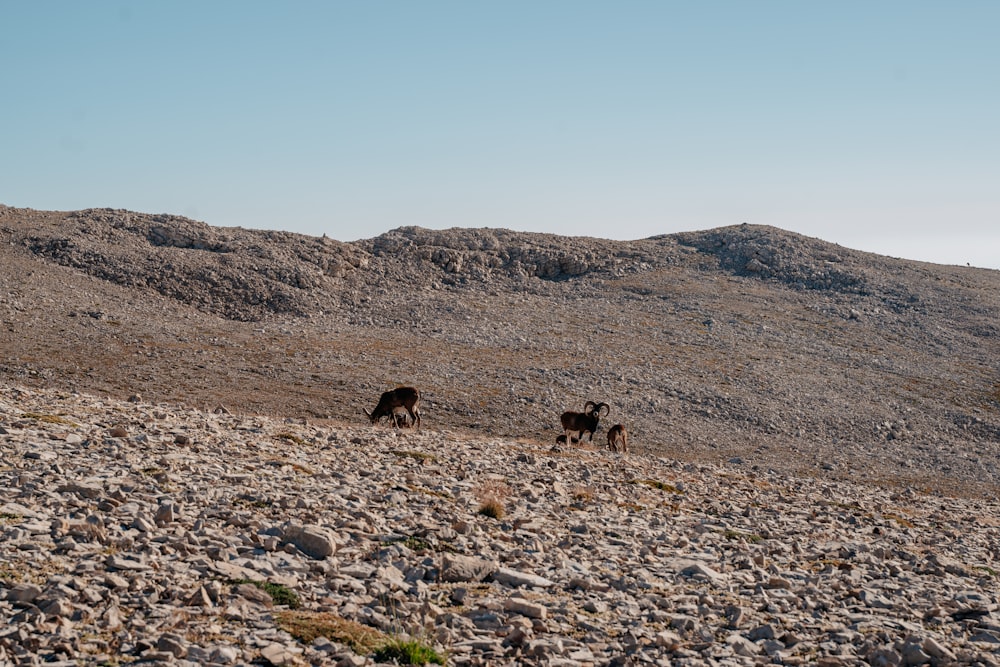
{"x": 590, "y": 404}
{"x": 606, "y": 407}
{"x": 367, "y": 411}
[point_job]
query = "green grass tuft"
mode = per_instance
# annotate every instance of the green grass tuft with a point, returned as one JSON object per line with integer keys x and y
{"x": 408, "y": 652}
{"x": 280, "y": 595}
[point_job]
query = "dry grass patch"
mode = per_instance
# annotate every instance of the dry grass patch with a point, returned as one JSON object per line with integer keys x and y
{"x": 290, "y": 437}
{"x": 901, "y": 520}
{"x": 491, "y": 494}
{"x": 583, "y": 494}
{"x": 306, "y": 626}
{"x": 49, "y": 419}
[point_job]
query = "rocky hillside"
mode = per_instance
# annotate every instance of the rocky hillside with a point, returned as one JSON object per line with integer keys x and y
{"x": 745, "y": 344}
{"x": 133, "y": 533}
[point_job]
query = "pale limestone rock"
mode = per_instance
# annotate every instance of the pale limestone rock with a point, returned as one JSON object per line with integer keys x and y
{"x": 456, "y": 568}
{"x": 314, "y": 541}
{"x": 525, "y": 608}
{"x": 514, "y": 578}
{"x": 23, "y": 592}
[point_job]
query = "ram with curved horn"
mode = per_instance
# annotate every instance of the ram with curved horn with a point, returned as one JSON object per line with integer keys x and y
{"x": 584, "y": 422}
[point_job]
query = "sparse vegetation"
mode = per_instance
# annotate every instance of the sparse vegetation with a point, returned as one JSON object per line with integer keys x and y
{"x": 737, "y": 535}
{"x": 408, "y": 652}
{"x": 291, "y": 437}
{"x": 491, "y": 494}
{"x": 244, "y": 500}
{"x": 48, "y": 419}
{"x": 280, "y": 595}
{"x": 492, "y": 509}
{"x": 413, "y": 543}
{"x": 306, "y": 626}
{"x": 901, "y": 520}
{"x": 417, "y": 456}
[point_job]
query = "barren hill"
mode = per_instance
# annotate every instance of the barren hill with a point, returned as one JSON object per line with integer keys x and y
{"x": 747, "y": 343}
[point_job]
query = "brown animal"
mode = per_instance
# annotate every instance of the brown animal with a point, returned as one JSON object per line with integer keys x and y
{"x": 401, "y": 417}
{"x": 584, "y": 422}
{"x": 407, "y": 398}
{"x": 561, "y": 440}
{"x": 618, "y": 439}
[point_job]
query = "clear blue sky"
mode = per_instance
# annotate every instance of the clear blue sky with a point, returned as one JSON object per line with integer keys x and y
{"x": 873, "y": 124}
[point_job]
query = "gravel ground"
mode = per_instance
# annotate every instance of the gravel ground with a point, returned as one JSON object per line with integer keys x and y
{"x": 154, "y": 534}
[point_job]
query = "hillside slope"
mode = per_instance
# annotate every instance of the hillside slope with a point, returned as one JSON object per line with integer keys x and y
{"x": 743, "y": 343}
{"x": 135, "y": 532}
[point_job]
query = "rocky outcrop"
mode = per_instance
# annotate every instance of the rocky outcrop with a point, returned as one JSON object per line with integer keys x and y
{"x": 769, "y": 254}
{"x": 237, "y": 273}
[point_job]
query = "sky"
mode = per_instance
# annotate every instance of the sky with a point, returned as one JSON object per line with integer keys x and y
{"x": 874, "y": 125}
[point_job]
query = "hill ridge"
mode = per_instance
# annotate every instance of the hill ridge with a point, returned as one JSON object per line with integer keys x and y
{"x": 744, "y": 342}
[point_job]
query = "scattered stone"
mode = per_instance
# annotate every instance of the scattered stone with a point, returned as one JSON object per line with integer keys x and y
{"x": 456, "y": 568}
{"x": 314, "y": 541}
{"x": 525, "y": 608}
{"x": 96, "y": 545}
{"x": 23, "y": 593}
{"x": 515, "y": 578}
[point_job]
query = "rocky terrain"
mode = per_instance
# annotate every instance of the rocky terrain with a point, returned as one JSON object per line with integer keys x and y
{"x": 187, "y": 474}
{"x": 745, "y": 343}
{"x": 154, "y": 534}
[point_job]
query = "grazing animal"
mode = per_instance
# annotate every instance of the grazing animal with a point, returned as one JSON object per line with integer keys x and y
{"x": 584, "y": 422}
{"x": 401, "y": 417}
{"x": 618, "y": 439}
{"x": 406, "y": 398}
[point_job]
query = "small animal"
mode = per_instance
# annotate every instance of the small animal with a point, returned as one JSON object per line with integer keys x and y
{"x": 618, "y": 439}
{"x": 407, "y": 398}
